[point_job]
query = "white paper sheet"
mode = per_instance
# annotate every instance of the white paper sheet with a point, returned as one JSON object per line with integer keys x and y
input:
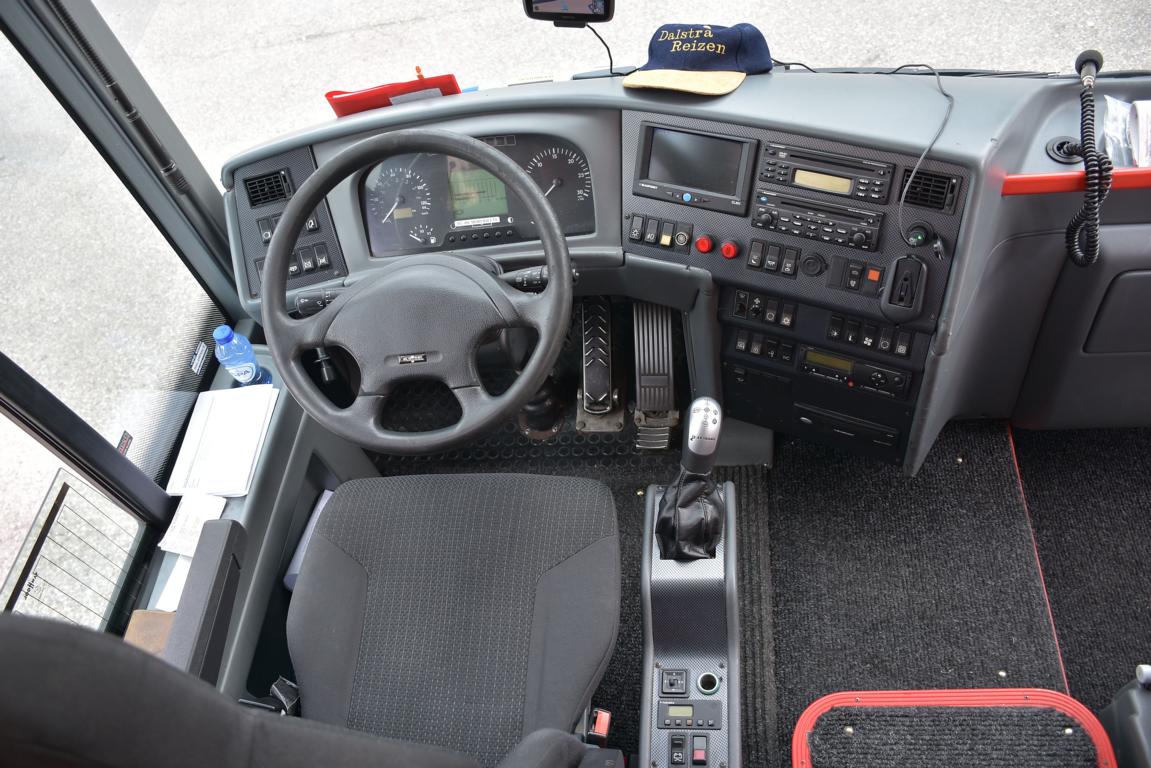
{"x": 223, "y": 442}
{"x": 184, "y": 531}
{"x": 169, "y": 599}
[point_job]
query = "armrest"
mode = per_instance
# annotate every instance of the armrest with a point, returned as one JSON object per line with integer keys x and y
{"x": 200, "y": 629}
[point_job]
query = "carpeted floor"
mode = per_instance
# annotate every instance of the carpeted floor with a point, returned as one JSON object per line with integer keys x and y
{"x": 878, "y": 581}
{"x": 1090, "y": 500}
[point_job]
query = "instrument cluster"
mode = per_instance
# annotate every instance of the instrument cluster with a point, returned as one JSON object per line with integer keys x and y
{"x": 431, "y": 202}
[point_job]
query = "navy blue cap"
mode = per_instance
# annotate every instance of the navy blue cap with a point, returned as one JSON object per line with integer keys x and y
{"x": 702, "y": 58}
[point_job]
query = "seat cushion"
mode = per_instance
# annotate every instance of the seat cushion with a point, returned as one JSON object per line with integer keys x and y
{"x": 463, "y": 611}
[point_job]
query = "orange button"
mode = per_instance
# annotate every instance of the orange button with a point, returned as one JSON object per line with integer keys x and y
{"x": 873, "y": 275}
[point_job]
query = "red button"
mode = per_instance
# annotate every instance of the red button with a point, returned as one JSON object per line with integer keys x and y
{"x": 873, "y": 275}
{"x": 703, "y": 244}
{"x": 699, "y": 757}
{"x": 729, "y": 250}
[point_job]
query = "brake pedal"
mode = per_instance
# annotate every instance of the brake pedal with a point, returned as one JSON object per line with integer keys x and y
{"x": 598, "y": 406}
{"x": 655, "y": 413}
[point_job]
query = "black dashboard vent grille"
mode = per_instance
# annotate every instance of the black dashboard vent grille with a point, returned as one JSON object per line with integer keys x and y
{"x": 930, "y": 190}
{"x": 268, "y": 188}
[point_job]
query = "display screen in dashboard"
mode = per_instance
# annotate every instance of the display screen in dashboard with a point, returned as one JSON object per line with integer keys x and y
{"x": 429, "y": 202}
{"x": 478, "y": 198}
{"x": 696, "y": 161}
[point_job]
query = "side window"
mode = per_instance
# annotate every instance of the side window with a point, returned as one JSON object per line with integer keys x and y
{"x": 68, "y": 556}
{"x": 104, "y": 314}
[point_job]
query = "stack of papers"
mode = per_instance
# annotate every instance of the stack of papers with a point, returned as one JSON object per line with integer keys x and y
{"x": 1140, "y": 130}
{"x": 223, "y": 443}
{"x": 217, "y": 460}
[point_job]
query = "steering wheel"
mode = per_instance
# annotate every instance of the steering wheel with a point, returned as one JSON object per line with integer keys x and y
{"x": 419, "y": 317}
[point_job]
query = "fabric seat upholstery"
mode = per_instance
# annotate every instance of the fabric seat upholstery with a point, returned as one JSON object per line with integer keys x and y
{"x": 463, "y": 611}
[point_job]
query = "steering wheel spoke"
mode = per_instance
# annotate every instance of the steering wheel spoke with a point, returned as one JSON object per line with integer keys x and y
{"x": 531, "y": 309}
{"x": 473, "y": 400}
{"x": 365, "y": 409}
{"x": 308, "y": 333}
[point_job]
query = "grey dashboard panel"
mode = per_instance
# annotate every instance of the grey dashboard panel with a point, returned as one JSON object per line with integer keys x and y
{"x": 1006, "y": 258}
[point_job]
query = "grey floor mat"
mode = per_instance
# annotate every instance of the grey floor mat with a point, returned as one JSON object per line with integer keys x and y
{"x": 1090, "y": 499}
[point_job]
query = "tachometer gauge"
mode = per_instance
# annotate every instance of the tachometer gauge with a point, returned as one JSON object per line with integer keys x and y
{"x": 563, "y": 175}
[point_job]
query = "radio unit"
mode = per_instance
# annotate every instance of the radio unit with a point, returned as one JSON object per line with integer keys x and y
{"x": 826, "y": 172}
{"x": 853, "y": 373}
{"x": 703, "y": 170}
{"x": 828, "y": 223}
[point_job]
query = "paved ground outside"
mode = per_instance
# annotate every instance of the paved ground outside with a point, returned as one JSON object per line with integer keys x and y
{"x": 93, "y": 290}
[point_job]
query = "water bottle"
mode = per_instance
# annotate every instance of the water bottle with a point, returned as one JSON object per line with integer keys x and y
{"x": 235, "y": 353}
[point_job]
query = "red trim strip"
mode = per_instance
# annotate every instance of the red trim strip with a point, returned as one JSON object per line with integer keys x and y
{"x": 1038, "y": 562}
{"x": 996, "y": 697}
{"x": 1071, "y": 181}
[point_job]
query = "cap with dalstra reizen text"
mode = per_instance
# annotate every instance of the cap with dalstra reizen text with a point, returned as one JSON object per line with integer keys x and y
{"x": 702, "y": 58}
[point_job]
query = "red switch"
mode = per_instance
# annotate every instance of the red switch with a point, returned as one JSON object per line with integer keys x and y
{"x": 703, "y": 244}
{"x": 699, "y": 750}
{"x": 729, "y": 250}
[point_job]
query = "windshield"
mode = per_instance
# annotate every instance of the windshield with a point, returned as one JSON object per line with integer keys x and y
{"x": 237, "y": 74}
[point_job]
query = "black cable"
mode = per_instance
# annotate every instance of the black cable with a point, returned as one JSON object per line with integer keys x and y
{"x": 779, "y": 63}
{"x": 610, "y": 62}
{"x": 1083, "y": 232}
{"x": 922, "y": 155}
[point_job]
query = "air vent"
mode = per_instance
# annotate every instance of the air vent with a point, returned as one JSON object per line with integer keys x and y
{"x": 268, "y": 188}
{"x": 930, "y": 190}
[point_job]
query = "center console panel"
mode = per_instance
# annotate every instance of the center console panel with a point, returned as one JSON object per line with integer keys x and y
{"x": 826, "y": 311}
{"x": 691, "y": 704}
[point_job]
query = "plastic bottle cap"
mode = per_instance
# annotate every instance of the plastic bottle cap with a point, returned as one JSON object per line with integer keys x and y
{"x": 223, "y": 334}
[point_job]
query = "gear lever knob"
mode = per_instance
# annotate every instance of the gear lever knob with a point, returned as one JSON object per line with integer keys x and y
{"x": 701, "y": 435}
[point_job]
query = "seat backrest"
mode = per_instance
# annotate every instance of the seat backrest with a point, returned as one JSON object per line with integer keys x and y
{"x": 72, "y": 697}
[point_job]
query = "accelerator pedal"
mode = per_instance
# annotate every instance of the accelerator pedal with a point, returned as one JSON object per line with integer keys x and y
{"x": 599, "y": 407}
{"x": 655, "y": 414}
{"x": 1018, "y": 727}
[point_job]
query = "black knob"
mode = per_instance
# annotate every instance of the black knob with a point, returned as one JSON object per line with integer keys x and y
{"x": 859, "y": 238}
{"x": 813, "y": 265}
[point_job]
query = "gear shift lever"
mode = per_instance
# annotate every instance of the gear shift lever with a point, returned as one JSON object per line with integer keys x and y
{"x": 701, "y": 436}
{"x": 690, "y": 515}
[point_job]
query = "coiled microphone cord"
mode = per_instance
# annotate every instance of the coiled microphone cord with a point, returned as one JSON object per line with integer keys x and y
{"x": 1083, "y": 232}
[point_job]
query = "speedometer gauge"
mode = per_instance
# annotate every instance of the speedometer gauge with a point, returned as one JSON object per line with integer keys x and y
{"x": 562, "y": 174}
{"x": 398, "y": 195}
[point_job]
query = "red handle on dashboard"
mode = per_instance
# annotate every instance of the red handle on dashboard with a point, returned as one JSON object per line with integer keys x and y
{"x": 345, "y": 103}
{"x": 1071, "y": 181}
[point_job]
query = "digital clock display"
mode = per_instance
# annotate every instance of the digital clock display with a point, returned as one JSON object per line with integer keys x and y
{"x": 824, "y": 182}
{"x": 680, "y": 710}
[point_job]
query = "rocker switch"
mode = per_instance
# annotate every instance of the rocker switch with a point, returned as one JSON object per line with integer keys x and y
{"x": 699, "y": 750}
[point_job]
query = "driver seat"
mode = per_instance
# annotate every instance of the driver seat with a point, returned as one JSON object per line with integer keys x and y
{"x": 461, "y": 611}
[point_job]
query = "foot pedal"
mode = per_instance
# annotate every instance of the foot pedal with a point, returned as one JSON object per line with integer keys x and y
{"x": 655, "y": 414}
{"x": 598, "y": 406}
